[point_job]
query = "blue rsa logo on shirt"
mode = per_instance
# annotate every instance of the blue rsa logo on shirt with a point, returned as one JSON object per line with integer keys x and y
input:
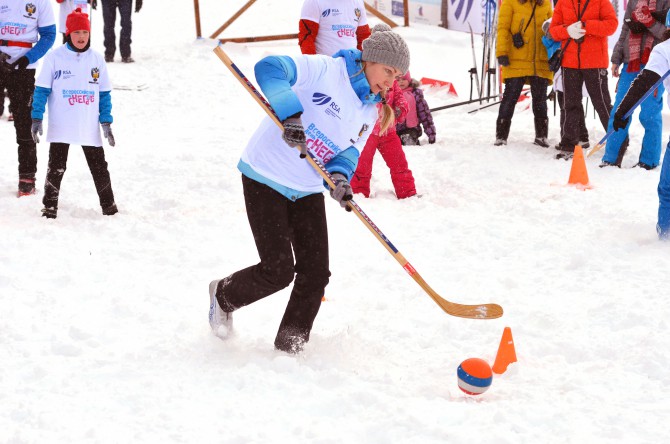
{"x": 62, "y": 73}
{"x": 323, "y": 99}
{"x": 320, "y": 98}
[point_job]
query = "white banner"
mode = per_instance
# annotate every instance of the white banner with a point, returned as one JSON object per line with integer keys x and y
{"x": 460, "y": 13}
{"x": 427, "y": 12}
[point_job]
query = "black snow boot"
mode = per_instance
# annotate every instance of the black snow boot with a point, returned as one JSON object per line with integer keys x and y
{"x": 541, "y": 132}
{"x": 502, "y": 131}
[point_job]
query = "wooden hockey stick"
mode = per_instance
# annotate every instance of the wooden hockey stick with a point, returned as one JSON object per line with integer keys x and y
{"x": 483, "y": 311}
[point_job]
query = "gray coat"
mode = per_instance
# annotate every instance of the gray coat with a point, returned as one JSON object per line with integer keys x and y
{"x": 620, "y": 53}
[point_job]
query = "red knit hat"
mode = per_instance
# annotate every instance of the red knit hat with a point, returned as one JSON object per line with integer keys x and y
{"x": 77, "y": 21}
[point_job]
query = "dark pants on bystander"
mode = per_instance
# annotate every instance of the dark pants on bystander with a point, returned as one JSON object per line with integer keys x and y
{"x": 95, "y": 157}
{"x": 20, "y": 84}
{"x": 281, "y": 228}
{"x": 109, "y": 17}
{"x": 583, "y": 131}
{"x": 513, "y": 88}
{"x": 596, "y": 84}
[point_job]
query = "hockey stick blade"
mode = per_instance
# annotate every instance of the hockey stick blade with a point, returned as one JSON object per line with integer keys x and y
{"x": 483, "y": 311}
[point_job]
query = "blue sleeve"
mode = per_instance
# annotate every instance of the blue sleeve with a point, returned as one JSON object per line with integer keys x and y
{"x": 276, "y": 75}
{"x": 40, "y": 97}
{"x": 105, "y": 107}
{"x": 344, "y": 163}
{"x": 46, "y": 41}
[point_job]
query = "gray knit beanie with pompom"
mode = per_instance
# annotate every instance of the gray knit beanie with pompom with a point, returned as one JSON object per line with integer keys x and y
{"x": 386, "y": 47}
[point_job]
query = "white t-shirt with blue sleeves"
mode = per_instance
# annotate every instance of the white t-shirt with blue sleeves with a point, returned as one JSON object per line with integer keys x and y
{"x": 75, "y": 80}
{"x": 19, "y": 22}
{"x": 334, "y": 119}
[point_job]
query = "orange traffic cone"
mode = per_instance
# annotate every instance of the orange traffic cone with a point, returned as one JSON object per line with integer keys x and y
{"x": 578, "y": 174}
{"x": 506, "y": 353}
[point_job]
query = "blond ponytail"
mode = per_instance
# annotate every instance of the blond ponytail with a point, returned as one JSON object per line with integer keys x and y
{"x": 386, "y": 116}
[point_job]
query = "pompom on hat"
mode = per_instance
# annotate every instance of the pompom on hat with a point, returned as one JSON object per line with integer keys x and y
{"x": 77, "y": 21}
{"x": 386, "y": 47}
{"x": 383, "y": 27}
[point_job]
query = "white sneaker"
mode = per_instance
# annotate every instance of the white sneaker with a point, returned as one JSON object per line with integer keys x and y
{"x": 220, "y": 321}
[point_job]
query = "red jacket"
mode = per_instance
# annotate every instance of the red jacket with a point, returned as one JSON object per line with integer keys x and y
{"x": 599, "y": 21}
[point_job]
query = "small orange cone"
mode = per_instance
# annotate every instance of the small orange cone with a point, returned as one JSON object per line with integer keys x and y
{"x": 506, "y": 353}
{"x": 578, "y": 174}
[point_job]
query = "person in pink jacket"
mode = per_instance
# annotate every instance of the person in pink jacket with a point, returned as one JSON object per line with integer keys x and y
{"x": 418, "y": 113}
{"x": 390, "y": 147}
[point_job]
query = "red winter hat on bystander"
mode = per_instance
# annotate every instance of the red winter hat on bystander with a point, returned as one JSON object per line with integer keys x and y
{"x": 77, "y": 21}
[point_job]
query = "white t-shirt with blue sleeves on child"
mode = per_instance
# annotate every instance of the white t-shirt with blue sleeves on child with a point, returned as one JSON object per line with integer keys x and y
{"x": 76, "y": 80}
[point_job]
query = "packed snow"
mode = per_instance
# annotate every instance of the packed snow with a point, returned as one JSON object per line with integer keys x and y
{"x": 104, "y": 334}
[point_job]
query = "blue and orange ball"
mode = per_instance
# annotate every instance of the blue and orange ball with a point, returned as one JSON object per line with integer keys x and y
{"x": 474, "y": 376}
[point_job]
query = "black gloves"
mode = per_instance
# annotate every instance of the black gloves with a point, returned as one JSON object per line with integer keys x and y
{"x": 503, "y": 60}
{"x": 342, "y": 192}
{"x": 21, "y": 63}
{"x": 619, "y": 122}
{"x": 138, "y": 5}
{"x": 4, "y": 66}
{"x": 659, "y": 16}
{"x": 636, "y": 27}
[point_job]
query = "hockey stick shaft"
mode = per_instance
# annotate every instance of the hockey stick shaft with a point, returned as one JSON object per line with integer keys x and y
{"x": 651, "y": 90}
{"x": 483, "y": 311}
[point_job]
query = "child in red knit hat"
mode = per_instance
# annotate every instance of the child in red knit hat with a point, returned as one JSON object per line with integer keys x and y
{"x": 74, "y": 80}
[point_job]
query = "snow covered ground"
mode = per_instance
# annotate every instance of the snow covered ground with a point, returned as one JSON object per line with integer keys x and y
{"x": 103, "y": 327}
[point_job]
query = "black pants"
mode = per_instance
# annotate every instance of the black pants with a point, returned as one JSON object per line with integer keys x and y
{"x": 281, "y": 228}
{"x": 109, "y": 17}
{"x": 513, "y": 87}
{"x": 583, "y": 131}
{"x": 20, "y": 84}
{"x": 95, "y": 157}
{"x": 596, "y": 85}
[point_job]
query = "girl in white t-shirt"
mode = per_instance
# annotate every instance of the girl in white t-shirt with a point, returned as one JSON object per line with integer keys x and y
{"x": 328, "y": 106}
{"x": 74, "y": 80}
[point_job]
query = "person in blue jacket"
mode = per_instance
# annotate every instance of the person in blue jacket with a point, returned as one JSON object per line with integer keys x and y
{"x": 27, "y": 32}
{"x": 657, "y": 67}
{"x": 644, "y": 25}
{"x": 328, "y": 107}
